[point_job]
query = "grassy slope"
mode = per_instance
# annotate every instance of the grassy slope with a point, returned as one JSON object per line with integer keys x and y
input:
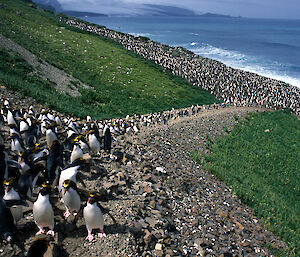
{"x": 124, "y": 82}
{"x": 259, "y": 160}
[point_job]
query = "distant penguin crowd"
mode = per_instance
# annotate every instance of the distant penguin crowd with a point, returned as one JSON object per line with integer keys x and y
{"x": 41, "y": 154}
{"x": 233, "y": 86}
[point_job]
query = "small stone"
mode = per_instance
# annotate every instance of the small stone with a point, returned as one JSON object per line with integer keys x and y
{"x": 160, "y": 169}
{"x": 158, "y": 247}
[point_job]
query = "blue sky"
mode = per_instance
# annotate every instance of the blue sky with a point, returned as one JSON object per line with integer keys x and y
{"x": 289, "y": 9}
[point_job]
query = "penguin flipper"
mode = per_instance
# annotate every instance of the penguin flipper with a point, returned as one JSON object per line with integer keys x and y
{"x": 79, "y": 214}
{"x": 10, "y": 203}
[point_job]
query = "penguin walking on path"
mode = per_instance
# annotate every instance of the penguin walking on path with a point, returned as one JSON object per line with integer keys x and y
{"x": 71, "y": 198}
{"x": 93, "y": 217}
{"x": 43, "y": 212}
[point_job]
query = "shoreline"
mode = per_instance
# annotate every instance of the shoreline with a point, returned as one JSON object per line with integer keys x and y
{"x": 233, "y": 86}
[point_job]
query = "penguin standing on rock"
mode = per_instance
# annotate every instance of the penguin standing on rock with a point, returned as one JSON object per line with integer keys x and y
{"x": 107, "y": 140}
{"x": 94, "y": 143}
{"x": 71, "y": 198}
{"x": 43, "y": 212}
{"x": 93, "y": 217}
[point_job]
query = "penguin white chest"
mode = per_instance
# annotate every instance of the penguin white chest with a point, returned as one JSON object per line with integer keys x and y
{"x": 43, "y": 212}
{"x": 72, "y": 200}
{"x": 16, "y": 211}
{"x": 93, "y": 217}
{"x": 69, "y": 173}
{"x": 94, "y": 143}
{"x": 77, "y": 153}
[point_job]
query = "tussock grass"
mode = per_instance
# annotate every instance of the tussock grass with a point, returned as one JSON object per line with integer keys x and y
{"x": 259, "y": 160}
{"x": 124, "y": 83}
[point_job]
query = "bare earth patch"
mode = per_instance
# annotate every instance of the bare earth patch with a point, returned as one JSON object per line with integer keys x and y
{"x": 63, "y": 82}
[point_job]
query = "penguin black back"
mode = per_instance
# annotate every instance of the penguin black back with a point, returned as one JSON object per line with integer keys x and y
{"x": 2, "y": 168}
{"x": 25, "y": 181}
{"x": 55, "y": 159}
{"x": 107, "y": 140}
{"x": 6, "y": 222}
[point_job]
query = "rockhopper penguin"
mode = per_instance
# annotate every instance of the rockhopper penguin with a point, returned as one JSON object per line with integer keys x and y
{"x": 93, "y": 217}
{"x": 71, "y": 198}
{"x": 43, "y": 212}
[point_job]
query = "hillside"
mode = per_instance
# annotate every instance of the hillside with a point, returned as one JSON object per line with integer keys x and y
{"x": 156, "y": 182}
{"x": 122, "y": 82}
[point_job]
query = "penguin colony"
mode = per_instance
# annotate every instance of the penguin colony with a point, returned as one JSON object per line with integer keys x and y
{"x": 41, "y": 155}
{"x": 234, "y": 86}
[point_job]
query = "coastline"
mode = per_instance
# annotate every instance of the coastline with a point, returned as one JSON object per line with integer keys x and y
{"x": 233, "y": 86}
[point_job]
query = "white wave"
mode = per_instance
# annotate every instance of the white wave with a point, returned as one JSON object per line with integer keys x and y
{"x": 137, "y": 34}
{"x": 194, "y": 43}
{"x": 241, "y": 61}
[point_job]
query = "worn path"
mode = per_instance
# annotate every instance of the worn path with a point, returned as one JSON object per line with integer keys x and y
{"x": 163, "y": 202}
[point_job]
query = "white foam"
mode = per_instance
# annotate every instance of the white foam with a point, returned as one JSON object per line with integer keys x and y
{"x": 241, "y": 61}
{"x": 140, "y": 34}
{"x": 194, "y": 43}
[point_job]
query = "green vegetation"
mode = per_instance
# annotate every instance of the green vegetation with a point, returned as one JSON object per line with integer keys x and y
{"x": 124, "y": 83}
{"x": 259, "y": 160}
{"x": 15, "y": 72}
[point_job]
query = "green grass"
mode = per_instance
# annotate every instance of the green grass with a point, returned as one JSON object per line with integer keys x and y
{"x": 124, "y": 82}
{"x": 15, "y": 72}
{"x": 259, "y": 160}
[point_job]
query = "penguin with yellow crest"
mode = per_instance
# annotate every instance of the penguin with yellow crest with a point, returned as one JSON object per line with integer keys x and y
{"x": 71, "y": 198}
{"x": 93, "y": 217}
{"x": 43, "y": 212}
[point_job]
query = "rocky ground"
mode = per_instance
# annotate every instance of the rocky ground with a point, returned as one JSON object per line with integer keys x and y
{"x": 163, "y": 203}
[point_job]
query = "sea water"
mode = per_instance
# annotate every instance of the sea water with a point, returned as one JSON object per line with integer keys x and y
{"x": 267, "y": 47}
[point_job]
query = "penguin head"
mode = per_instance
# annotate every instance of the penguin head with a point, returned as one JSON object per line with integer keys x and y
{"x": 39, "y": 247}
{"x": 8, "y": 184}
{"x": 93, "y": 197}
{"x": 7, "y": 236}
{"x": 67, "y": 184}
{"x": 45, "y": 189}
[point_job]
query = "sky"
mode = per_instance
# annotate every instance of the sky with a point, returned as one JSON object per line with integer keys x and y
{"x": 282, "y": 9}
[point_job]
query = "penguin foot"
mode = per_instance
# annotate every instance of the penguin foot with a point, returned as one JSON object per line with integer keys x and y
{"x": 67, "y": 213}
{"x": 90, "y": 237}
{"x": 101, "y": 234}
{"x": 51, "y": 233}
{"x": 41, "y": 231}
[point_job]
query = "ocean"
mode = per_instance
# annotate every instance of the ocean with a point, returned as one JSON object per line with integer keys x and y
{"x": 267, "y": 47}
